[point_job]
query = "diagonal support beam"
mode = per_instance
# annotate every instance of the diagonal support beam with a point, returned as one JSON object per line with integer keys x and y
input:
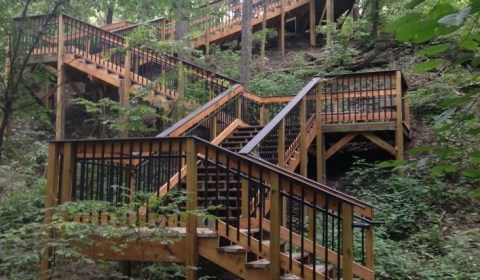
{"x": 379, "y": 142}
{"x": 342, "y": 142}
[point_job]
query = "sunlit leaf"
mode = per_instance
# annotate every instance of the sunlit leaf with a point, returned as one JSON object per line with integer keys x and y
{"x": 475, "y": 193}
{"x": 469, "y": 44}
{"x": 427, "y": 65}
{"x": 443, "y": 169}
{"x": 391, "y": 163}
{"x": 471, "y": 173}
{"x": 433, "y": 50}
{"x": 475, "y": 157}
{"x": 444, "y": 116}
{"x": 394, "y": 26}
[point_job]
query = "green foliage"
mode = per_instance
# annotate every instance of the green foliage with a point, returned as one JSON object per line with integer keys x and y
{"x": 275, "y": 84}
{"x": 224, "y": 62}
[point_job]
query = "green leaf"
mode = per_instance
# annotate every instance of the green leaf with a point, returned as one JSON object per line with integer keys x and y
{"x": 457, "y": 100}
{"x": 433, "y": 50}
{"x": 475, "y": 157}
{"x": 406, "y": 20}
{"x": 471, "y": 173}
{"x": 427, "y": 65}
{"x": 475, "y": 61}
{"x": 443, "y": 169}
{"x": 417, "y": 31}
{"x": 419, "y": 150}
{"x": 455, "y": 19}
{"x": 412, "y": 4}
{"x": 469, "y": 44}
{"x": 473, "y": 131}
{"x": 475, "y": 193}
{"x": 475, "y": 5}
{"x": 391, "y": 163}
{"x": 444, "y": 116}
{"x": 442, "y": 10}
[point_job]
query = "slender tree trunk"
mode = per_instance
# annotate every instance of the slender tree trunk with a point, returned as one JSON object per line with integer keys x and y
{"x": 264, "y": 35}
{"x": 375, "y": 18}
{"x": 109, "y": 17}
{"x": 181, "y": 24}
{"x": 246, "y": 44}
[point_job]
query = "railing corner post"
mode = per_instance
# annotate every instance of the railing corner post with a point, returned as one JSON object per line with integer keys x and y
{"x": 191, "y": 226}
{"x": 275, "y": 221}
{"x": 347, "y": 241}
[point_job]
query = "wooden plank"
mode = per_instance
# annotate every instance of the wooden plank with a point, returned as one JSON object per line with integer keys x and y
{"x": 379, "y": 142}
{"x": 267, "y": 99}
{"x": 369, "y": 258}
{"x": 347, "y": 241}
{"x": 303, "y": 138}
{"x": 191, "y": 238}
{"x": 342, "y": 142}
{"x": 320, "y": 138}
{"x": 358, "y": 127}
{"x": 359, "y": 94}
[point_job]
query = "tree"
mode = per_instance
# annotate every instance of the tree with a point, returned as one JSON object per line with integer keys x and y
{"x": 246, "y": 44}
{"x": 15, "y": 60}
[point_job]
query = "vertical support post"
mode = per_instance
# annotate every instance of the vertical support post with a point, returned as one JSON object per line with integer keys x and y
{"x": 61, "y": 79}
{"x": 213, "y": 127}
{"x": 67, "y": 173}
{"x": 207, "y": 30}
{"x": 313, "y": 31}
{"x": 281, "y": 33}
{"x": 262, "y": 114}
{"x": 267, "y": 115}
{"x": 191, "y": 238}
{"x": 303, "y": 137}
{"x": 281, "y": 144}
{"x": 369, "y": 259}
{"x": 330, "y": 10}
{"x": 245, "y": 200}
{"x": 181, "y": 79}
{"x": 347, "y": 241}
{"x": 239, "y": 108}
{"x": 321, "y": 178}
{"x": 50, "y": 202}
{"x": 275, "y": 217}
{"x": 164, "y": 30}
{"x": 399, "y": 114}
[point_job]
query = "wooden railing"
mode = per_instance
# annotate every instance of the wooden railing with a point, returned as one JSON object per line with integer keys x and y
{"x": 114, "y": 171}
{"x": 274, "y": 141}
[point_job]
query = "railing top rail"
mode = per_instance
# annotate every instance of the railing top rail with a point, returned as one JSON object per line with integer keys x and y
{"x": 367, "y": 73}
{"x": 133, "y": 26}
{"x": 279, "y": 117}
{"x": 180, "y": 126}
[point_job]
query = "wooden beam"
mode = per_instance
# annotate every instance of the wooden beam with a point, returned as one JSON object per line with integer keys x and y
{"x": 61, "y": 79}
{"x": 313, "y": 27}
{"x": 281, "y": 33}
{"x": 379, "y": 142}
{"x": 191, "y": 238}
{"x": 67, "y": 173}
{"x": 359, "y": 127}
{"x": 281, "y": 144}
{"x": 303, "y": 138}
{"x": 369, "y": 258}
{"x": 360, "y": 117}
{"x": 347, "y": 241}
{"x": 320, "y": 138}
{"x": 275, "y": 220}
{"x": 342, "y": 142}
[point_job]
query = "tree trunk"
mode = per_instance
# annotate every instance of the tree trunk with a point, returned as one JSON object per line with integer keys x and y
{"x": 109, "y": 17}
{"x": 264, "y": 35}
{"x": 246, "y": 44}
{"x": 181, "y": 24}
{"x": 375, "y": 18}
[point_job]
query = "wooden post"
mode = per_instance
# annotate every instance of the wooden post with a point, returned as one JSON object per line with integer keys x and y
{"x": 321, "y": 178}
{"x": 281, "y": 144}
{"x": 61, "y": 79}
{"x": 347, "y": 241}
{"x": 213, "y": 127}
{"x": 262, "y": 115}
{"x": 330, "y": 10}
{"x": 67, "y": 173}
{"x": 369, "y": 259}
{"x": 303, "y": 138}
{"x": 51, "y": 197}
{"x": 239, "y": 108}
{"x": 399, "y": 129}
{"x": 267, "y": 115}
{"x": 191, "y": 238}
{"x": 181, "y": 79}
{"x": 281, "y": 33}
{"x": 164, "y": 30}
{"x": 313, "y": 31}
{"x": 245, "y": 200}
{"x": 207, "y": 30}
{"x": 275, "y": 217}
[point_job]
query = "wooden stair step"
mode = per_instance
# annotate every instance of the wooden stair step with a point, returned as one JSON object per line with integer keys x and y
{"x": 299, "y": 256}
{"x": 234, "y": 249}
{"x": 290, "y": 276}
{"x": 262, "y": 263}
